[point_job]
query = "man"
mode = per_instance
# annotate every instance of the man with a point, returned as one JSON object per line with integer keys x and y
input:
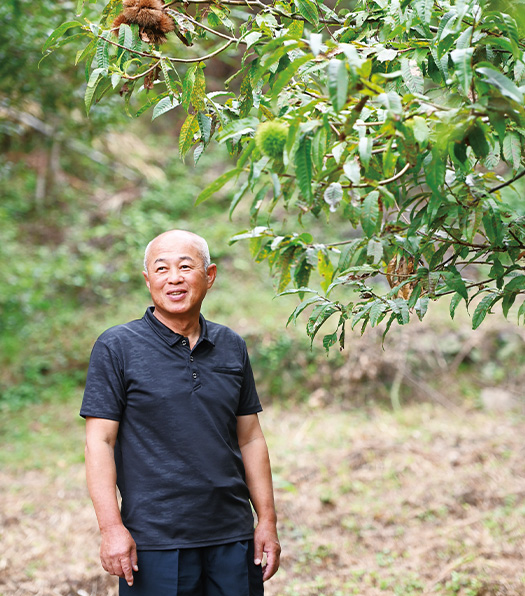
{"x": 171, "y": 419}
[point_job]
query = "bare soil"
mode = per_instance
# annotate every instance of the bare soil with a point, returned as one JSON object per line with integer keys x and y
{"x": 426, "y": 501}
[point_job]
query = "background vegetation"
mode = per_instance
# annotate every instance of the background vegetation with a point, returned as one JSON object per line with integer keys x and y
{"x": 80, "y": 199}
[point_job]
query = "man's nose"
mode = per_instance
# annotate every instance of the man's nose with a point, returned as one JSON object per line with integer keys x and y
{"x": 174, "y": 275}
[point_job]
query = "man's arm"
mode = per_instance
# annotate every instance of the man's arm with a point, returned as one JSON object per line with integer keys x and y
{"x": 259, "y": 480}
{"x": 118, "y": 551}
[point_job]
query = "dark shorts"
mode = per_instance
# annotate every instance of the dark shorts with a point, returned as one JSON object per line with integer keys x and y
{"x": 225, "y": 570}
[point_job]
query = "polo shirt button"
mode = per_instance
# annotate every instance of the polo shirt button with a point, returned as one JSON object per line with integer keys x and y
{"x": 194, "y": 375}
{"x": 191, "y": 358}
{"x": 183, "y": 342}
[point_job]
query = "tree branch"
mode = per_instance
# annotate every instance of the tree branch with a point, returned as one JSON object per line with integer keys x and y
{"x": 508, "y": 183}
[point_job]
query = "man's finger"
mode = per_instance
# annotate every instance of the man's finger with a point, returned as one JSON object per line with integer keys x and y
{"x": 258, "y": 552}
{"x": 127, "y": 571}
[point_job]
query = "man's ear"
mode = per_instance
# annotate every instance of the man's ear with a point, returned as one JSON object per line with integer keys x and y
{"x": 146, "y": 278}
{"x": 211, "y": 274}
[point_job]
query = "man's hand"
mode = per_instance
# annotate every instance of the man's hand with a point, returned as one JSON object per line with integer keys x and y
{"x": 266, "y": 541}
{"x": 118, "y": 552}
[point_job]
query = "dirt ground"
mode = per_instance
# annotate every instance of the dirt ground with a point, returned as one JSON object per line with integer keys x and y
{"x": 425, "y": 501}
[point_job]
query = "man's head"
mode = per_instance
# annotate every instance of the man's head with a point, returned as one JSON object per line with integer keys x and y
{"x": 201, "y": 244}
{"x": 178, "y": 274}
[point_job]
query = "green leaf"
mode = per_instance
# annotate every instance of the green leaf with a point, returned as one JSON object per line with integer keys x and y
{"x": 411, "y": 77}
{"x": 285, "y": 75}
{"x": 165, "y": 105}
{"x": 400, "y": 307}
{"x": 285, "y": 265}
{"x": 329, "y": 340}
{"x": 516, "y": 284}
{"x": 462, "y": 59}
{"x": 188, "y": 131}
{"x": 512, "y": 149}
{"x": 216, "y": 185}
{"x": 337, "y": 83}
{"x": 370, "y": 213}
{"x": 378, "y": 308}
{"x": 187, "y": 86}
{"x": 319, "y": 316}
{"x": 483, "y": 308}
{"x": 507, "y": 302}
{"x": 422, "y": 307}
{"x": 455, "y": 282}
{"x": 57, "y": 33}
{"x": 501, "y": 82}
{"x": 308, "y": 10}
{"x": 456, "y": 299}
{"x": 303, "y": 166}
{"x": 365, "y": 150}
{"x": 198, "y": 92}
{"x": 521, "y": 312}
{"x": 87, "y": 53}
{"x": 325, "y": 268}
{"x": 303, "y": 306}
{"x": 205, "y": 127}
{"x": 333, "y": 195}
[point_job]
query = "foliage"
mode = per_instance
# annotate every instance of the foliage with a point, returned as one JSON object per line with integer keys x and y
{"x": 405, "y": 127}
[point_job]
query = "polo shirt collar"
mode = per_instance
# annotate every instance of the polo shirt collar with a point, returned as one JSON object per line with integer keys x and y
{"x": 169, "y": 336}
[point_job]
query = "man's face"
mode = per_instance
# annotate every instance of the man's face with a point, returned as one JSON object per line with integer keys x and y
{"x": 176, "y": 277}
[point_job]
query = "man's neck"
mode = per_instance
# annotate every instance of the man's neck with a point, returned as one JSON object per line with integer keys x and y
{"x": 186, "y": 326}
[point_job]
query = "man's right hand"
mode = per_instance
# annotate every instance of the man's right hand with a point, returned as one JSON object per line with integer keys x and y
{"x": 118, "y": 552}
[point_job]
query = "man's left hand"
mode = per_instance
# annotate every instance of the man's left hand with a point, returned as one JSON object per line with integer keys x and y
{"x": 266, "y": 541}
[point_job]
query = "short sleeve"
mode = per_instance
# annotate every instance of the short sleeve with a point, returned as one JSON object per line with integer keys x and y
{"x": 249, "y": 402}
{"x": 105, "y": 391}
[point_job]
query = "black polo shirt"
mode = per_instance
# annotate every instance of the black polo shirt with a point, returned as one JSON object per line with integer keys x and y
{"x": 179, "y": 466}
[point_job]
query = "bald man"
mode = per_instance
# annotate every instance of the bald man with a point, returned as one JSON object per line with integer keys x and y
{"x": 171, "y": 415}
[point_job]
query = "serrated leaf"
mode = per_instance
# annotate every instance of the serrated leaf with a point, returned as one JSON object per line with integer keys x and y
{"x": 199, "y": 150}
{"x": 504, "y": 84}
{"x": 187, "y": 86}
{"x": 516, "y": 284}
{"x": 483, "y": 308}
{"x": 377, "y": 309}
{"x": 352, "y": 171}
{"x": 512, "y": 149}
{"x": 87, "y": 53}
{"x": 411, "y": 77}
{"x": 370, "y": 213}
{"x": 325, "y": 268}
{"x": 308, "y": 10}
{"x": 216, "y": 185}
{"x": 319, "y": 316}
{"x": 286, "y": 74}
{"x": 57, "y": 33}
{"x": 303, "y": 166}
{"x": 456, "y": 299}
{"x": 187, "y": 134}
{"x": 333, "y": 195}
{"x": 205, "y": 126}
{"x": 329, "y": 340}
{"x": 337, "y": 83}
{"x": 462, "y": 59}
{"x": 421, "y": 307}
{"x": 455, "y": 282}
{"x": 198, "y": 92}
{"x": 301, "y": 307}
{"x": 164, "y": 105}
{"x": 285, "y": 265}
{"x": 375, "y": 250}
{"x": 365, "y": 150}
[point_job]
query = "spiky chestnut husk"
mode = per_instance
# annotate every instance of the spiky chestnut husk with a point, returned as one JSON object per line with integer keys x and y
{"x": 270, "y": 138}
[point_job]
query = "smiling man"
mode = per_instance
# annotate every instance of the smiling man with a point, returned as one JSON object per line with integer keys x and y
{"x": 172, "y": 419}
